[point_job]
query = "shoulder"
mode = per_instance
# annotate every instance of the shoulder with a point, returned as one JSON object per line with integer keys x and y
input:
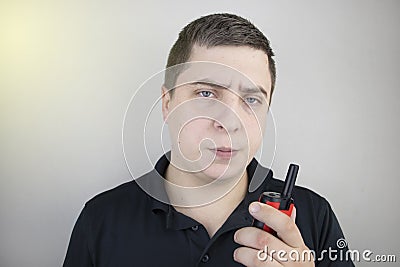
{"x": 310, "y": 197}
{"x": 122, "y": 199}
{"x": 119, "y": 193}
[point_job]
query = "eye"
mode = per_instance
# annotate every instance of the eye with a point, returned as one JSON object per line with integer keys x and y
{"x": 205, "y": 93}
{"x": 252, "y": 100}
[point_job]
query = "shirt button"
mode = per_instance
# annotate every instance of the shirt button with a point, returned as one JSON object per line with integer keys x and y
{"x": 195, "y": 228}
{"x": 205, "y": 258}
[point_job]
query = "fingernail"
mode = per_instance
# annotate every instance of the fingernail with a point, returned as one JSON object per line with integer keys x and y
{"x": 254, "y": 207}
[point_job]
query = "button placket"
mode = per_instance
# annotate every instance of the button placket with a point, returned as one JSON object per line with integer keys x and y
{"x": 205, "y": 258}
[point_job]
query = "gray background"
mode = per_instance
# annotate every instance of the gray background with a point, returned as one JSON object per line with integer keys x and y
{"x": 68, "y": 71}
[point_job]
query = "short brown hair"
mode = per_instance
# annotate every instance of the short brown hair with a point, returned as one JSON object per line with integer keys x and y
{"x": 217, "y": 30}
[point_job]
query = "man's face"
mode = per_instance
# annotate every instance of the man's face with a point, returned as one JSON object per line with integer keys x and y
{"x": 217, "y": 113}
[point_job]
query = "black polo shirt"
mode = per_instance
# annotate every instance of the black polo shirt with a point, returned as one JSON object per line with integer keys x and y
{"x": 126, "y": 227}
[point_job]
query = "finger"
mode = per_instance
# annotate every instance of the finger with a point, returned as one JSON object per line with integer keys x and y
{"x": 284, "y": 226}
{"x": 261, "y": 240}
{"x": 258, "y": 239}
{"x": 254, "y": 258}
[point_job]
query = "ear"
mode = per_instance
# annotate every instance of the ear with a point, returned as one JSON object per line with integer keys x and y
{"x": 165, "y": 100}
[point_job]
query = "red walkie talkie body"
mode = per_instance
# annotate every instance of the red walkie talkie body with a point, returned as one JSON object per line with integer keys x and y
{"x": 281, "y": 201}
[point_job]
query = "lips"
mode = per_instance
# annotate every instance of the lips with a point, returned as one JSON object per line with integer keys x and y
{"x": 224, "y": 152}
{"x": 224, "y": 149}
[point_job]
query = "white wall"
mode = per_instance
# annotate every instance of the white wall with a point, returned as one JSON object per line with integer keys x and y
{"x": 68, "y": 70}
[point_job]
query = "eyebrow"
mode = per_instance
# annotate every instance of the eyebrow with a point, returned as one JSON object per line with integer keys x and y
{"x": 254, "y": 90}
{"x": 248, "y": 90}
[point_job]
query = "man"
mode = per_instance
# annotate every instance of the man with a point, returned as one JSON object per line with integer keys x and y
{"x": 195, "y": 208}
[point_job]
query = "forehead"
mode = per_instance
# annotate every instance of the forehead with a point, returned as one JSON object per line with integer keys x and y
{"x": 228, "y": 65}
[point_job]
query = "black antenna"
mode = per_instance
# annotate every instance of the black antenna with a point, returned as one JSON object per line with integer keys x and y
{"x": 290, "y": 180}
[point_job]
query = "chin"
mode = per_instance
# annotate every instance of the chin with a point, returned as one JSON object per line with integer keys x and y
{"x": 224, "y": 172}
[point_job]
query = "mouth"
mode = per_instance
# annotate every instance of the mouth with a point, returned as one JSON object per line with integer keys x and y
{"x": 224, "y": 152}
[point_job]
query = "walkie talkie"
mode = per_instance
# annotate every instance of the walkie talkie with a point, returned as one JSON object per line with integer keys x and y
{"x": 281, "y": 201}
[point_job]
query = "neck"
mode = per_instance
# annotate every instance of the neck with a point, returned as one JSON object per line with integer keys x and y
{"x": 209, "y": 204}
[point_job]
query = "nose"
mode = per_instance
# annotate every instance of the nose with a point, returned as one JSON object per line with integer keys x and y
{"x": 228, "y": 118}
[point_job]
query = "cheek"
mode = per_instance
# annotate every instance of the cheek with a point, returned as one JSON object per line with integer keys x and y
{"x": 255, "y": 131}
{"x": 194, "y": 133}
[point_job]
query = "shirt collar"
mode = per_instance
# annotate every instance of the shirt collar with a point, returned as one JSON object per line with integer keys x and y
{"x": 254, "y": 170}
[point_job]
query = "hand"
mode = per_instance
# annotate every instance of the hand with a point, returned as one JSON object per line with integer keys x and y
{"x": 261, "y": 248}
